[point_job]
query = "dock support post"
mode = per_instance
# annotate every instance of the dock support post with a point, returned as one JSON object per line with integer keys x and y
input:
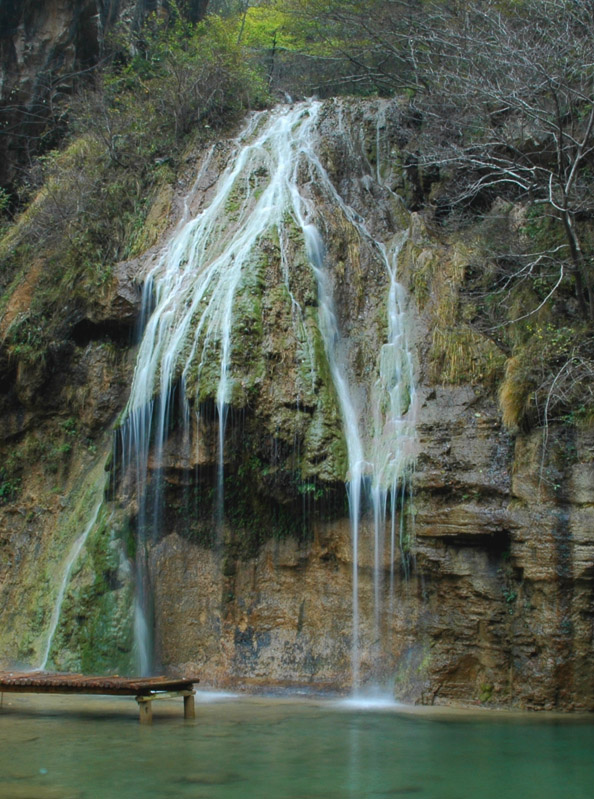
{"x": 145, "y": 706}
{"x": 189, "y": 708}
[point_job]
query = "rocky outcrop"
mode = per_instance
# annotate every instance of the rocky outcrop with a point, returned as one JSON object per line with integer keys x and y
{"x": 44, "y": 49}
{"x": 504, "y": 546}
{"x": 56, "y": 416}
{"x": 498, "y": 608}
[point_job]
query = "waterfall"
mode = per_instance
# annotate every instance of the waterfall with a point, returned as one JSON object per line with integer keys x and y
{"x": 331, "y": 335}
{"x": 270, "y": 187}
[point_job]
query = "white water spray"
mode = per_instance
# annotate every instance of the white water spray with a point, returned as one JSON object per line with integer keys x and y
{"x": 190, "y": 302}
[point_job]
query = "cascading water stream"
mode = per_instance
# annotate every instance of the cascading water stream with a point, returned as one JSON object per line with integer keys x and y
{"x": 75, "y": 551}
{"x": 187, "y": 346}
{"x": 330, "y": 333}
{"x": 391, "y": 452}
{"x": 394, "y": 431}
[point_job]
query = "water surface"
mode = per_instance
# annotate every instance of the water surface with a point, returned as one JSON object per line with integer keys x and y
{"x": 54, "y": 747}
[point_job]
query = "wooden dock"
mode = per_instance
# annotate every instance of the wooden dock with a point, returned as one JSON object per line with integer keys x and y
{"x": 145, "y": 689}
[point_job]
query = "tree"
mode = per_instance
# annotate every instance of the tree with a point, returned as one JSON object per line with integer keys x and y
{"x": 504, "y": 94}
{"x": 507, "y": 103}
{"x": 194, "y": 10}
{"x": 499, "y": 140}
{"x": 369, "y": 43}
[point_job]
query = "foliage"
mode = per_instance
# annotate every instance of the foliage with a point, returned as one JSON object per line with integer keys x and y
{"x": 502, "y": 98}
{"x": 181, "y": 76}
{"x": 362, "y": 45}
{"x": 9, "y": 487}
{"x": 4, "y": 200}
{"x": 550, "y": 378}
{"x": 90, "y": 200}
{"x": 504, "y": 101}
{"x": 300, "y": 47}
{"x": 507, "y": 109}
{"x": 270, "y": 27}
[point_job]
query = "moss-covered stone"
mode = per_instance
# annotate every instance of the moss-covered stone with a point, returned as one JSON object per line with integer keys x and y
{"x": 95, "y": 635}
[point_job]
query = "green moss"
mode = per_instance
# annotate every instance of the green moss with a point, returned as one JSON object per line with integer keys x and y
{"x": 50, "y": 449}
{"x": 413, "y": 672}
{"x": 324, "y": 447}
{"x": 486, "y": 693}
{"x": 204, "y": 373}
{"x": 40, "y": 572}
{"x": 544, "y": 230}
{"x": 9, "y": 487}
{"x": 151, "y": 214}
{"x": 234, "y": 202}
{"x": 247, "y": 361}
{"x": 253, "y": 519}
{"x": 96, "y": 631}
{"x": 192, "y": 511}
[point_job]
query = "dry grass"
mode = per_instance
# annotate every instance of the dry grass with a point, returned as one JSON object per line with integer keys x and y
{"x": 461, "y": 355}
{"x": 515, "y": 394}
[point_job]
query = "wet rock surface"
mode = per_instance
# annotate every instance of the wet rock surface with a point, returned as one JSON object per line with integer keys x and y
{"x": 490, "y": 598}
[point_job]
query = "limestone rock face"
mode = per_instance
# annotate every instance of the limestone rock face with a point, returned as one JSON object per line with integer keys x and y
{"x": 488, "y": 596}
{"x": 506, "y": 557}
{"x": 498, "y": 608}
{"x": 41, "y": 46}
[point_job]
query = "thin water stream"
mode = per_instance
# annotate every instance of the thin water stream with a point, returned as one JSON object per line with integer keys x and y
{"x": 71, "y": 560}
{"x": 75, "y": 748}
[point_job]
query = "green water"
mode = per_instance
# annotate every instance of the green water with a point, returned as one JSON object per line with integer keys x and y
{"x": 71, "y": 748}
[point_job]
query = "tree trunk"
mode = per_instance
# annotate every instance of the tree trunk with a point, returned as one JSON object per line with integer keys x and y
{"x": 583, "y": 283}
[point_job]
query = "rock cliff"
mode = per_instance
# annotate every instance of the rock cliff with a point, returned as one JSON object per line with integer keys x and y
{"x": 489, "y": 595}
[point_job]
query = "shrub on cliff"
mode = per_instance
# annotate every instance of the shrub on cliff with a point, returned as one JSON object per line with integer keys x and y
{"x": 89, "y": 200}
